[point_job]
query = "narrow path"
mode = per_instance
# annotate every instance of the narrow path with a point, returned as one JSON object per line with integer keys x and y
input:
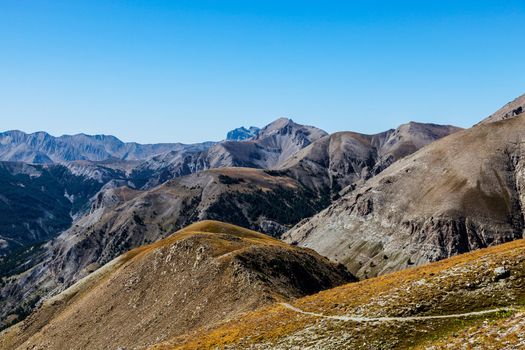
{"x": 398, "y": 319}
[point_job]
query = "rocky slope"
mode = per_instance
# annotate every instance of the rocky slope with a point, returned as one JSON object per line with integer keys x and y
{"x": 40, "y": 147}
{"x": 510, "y": 110}
{"x": 460, "y": 193}
{"x": 465, "y": 302}
{"x": 37, "y": 202}
{"x": 195, "y": 278}
{"x": 343, "y": 158}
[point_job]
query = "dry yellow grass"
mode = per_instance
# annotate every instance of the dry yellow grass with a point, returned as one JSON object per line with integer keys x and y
{"x": 460, "y": 284}
{"x": 197, "y": 277}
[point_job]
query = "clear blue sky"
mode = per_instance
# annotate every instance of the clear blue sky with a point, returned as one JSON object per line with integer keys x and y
{"x": 163, "y": 71}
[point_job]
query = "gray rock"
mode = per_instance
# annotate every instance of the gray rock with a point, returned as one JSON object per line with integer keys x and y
{"x": 501, "y": 273}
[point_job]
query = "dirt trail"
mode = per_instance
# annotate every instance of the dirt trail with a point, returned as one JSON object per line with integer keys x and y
{"x": 395, "y": 319}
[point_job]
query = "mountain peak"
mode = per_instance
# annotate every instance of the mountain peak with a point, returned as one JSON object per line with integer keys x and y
{"x": 279, "y": 123}
{"x": 287, "y": 125}
{"x": 242, "y": 133}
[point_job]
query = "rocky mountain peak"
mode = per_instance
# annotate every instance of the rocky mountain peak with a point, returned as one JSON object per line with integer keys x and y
{"x": 242, "y": 133}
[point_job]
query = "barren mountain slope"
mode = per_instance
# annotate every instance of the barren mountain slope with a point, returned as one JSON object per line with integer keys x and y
{"x": 342, "y": 158}
{"x": 204, "y": 274}
{"x": 510, "y": 110}
{"x": 418, "y": 308}
{"x": 460, "y": 193}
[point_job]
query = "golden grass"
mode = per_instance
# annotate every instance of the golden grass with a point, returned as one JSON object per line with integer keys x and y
{"x": 274, "y": 322}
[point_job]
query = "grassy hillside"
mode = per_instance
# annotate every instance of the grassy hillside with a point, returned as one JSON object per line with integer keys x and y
{"x": 487, "y": 279}
{"x": 202, "y": 275}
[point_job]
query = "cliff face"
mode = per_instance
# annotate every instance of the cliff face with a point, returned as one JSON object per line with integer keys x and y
{"x": 460, "y": 193}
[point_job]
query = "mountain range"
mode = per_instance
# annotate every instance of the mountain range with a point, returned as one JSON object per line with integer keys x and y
{"x": 122, "y": 215}
{"x": 87, "y": 215}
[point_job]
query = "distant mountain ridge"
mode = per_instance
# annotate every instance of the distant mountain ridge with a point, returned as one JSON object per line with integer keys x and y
{"x": 272, "y": 146}
{"x": 41, "y": 147}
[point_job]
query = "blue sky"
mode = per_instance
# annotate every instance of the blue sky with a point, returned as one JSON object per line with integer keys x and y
{"x": 166, "y": 71}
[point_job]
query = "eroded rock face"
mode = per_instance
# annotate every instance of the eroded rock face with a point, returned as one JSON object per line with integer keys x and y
{"x": 461, "y": 193}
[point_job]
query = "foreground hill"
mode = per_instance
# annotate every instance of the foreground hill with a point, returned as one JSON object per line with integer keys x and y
{"x": 458, "y": 194}
{"x": 465, "y": 300}
{"x": 203, "y": 274}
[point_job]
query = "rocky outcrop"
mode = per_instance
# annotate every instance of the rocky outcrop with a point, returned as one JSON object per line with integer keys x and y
{"x": 242, "y": 134}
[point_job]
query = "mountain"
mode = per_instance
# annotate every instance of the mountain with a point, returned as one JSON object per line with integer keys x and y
{"x": 472, "y": 301}
{"x": 122, "y": 218}
{"x": 343, "y": 158}
{"x": 510, "y": 110}
{"x": 460, "y": 193}
{"x": 40, "y": 147}
{"x": 283, "y": 138}
{"x": 200, "y": 276}
{"x": 273, "y": 145}
{"x": 242, "y": 134}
